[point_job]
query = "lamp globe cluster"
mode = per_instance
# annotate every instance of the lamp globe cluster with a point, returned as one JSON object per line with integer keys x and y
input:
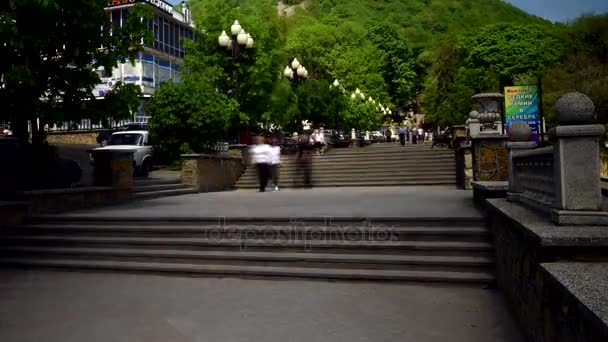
{"x": 295, "y": 70}
{"x": 239, "y": 36}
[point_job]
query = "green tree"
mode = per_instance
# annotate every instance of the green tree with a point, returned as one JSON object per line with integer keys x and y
{"x": 188, "y": 116}
{"x": 47, "y": 69}
{"x": 514, "y": 50}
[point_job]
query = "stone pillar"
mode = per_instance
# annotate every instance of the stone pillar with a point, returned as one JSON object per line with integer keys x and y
{"x": 490, "y": 157}
{"x": 519, "y": 134}
{"x": 464, "y": 166}
{"x": 577, "y": 162}
{"x": 113, "y": 168}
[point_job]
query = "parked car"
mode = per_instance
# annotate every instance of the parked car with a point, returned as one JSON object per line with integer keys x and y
{"x": 104, "y": 136}
{"x": 138, "y": 142}
{"x": 336, "y": 139}
{"x": 5, "y": 130}
{"x": 376, "y": 136}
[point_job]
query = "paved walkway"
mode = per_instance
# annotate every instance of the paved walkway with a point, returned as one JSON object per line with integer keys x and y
{"x": 332, "y": 202}
{"x": 77, "y": 307}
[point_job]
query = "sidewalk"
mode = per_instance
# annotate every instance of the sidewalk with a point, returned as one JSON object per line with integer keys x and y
{"x": 77, "y": 307}
{"x": 392, "y": 202}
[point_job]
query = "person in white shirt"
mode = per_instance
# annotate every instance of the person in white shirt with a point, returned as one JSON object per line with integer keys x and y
{"x": 275, "y": 163}
{"x": 261, "y": 157}
{"x": 321, "y": 139}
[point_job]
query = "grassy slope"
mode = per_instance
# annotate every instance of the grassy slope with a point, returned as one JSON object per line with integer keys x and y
{"x": 424, "y": 20}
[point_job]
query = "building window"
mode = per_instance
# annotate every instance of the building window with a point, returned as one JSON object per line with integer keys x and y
{"x": 116, "y": 18}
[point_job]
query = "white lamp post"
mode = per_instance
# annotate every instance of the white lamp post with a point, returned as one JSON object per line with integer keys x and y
{"x": 295, "y": 71}
{"x": 240, "y": 39}
{"x": 235, "y": 29}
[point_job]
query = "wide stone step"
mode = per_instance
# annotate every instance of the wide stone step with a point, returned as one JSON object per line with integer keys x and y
{"x": 164, "y": 193}
{"x": 377, "y": 165}
{"x": 322, "y": 176}
{"x": 285, "y": 184}
{"x": 377, "y": 233}
{"x": 291, "y": 259}
{"x": 387, "y": 155}
{"x": 155, "y": 181}
{"x": 158, "y": 187}
{"x": 422, "y": 247}
{"x": 362, "y": 172}
{"x": 313, "y": 222}
{"x": 253, "y": 271}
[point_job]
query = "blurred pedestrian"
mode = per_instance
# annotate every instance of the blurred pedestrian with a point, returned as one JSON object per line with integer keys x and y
{"x": 275, "y": 163}
{"x": 322, "y": 141}
{"x": 388, "y": 134}
{"x": 260, "y": 157}
{"x": 306, "y": 148}
{"x": 401, "y": 133}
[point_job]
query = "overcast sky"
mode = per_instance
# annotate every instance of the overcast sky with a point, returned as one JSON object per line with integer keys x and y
{"x": 554, "y": 10}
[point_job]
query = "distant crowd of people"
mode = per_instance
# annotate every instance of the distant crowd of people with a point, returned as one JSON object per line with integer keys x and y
{"x": 409, "y": 135}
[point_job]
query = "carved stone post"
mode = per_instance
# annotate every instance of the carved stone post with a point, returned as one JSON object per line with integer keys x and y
{"x": 519, "y": 134}
{"x": 113, "y": 168}
{"x": 474, "y": 124}
{"x": 577, "y": 162}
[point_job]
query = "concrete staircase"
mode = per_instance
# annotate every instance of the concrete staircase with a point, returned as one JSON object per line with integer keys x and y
{"x": 375, "y": 165}
{"x": 149, "y": 188}
{"x": 449, "y": 250}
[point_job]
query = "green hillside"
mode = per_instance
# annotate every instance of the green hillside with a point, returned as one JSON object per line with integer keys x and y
{"x": 428, "y": 56}
{"x": 422, "y": 20}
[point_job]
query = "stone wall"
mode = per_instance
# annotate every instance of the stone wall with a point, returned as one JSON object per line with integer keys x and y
{"x": 83, "y": 138}
{"x": 208, "y": 173}
{"x": 524, "y": 240}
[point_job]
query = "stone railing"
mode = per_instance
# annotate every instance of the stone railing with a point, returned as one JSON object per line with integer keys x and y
{"x": 533, "y": 174}
{"x": 564, "y": 179}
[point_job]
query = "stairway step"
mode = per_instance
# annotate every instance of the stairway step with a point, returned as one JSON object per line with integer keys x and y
{"x": 289, "y": 259}
{"x": 68, "y": 219}
{"x": 263, "y": 256}
{"x": 156, "y": 181}
{"x": 382, "y": 173}
{"x": 256, "y": 271}
{"x": 198, "y": 242}
{"x": 380, "y": 233}
{"x": 364, "y": 184}
{"x": 164, "y": 193}
{"x": 158, "y": 187}
{"x": 346, "y": 178}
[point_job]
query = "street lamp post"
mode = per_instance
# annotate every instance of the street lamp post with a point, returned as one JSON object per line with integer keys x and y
{"x": 296, "y": 72}
{"x": 237, "y": 45}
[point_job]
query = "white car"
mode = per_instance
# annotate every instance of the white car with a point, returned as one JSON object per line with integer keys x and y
{"x": 137, "y": 141}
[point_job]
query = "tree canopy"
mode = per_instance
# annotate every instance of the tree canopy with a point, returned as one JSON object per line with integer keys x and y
{"x": 49, "y": 52}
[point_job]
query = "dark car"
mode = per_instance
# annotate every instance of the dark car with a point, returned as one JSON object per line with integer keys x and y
{"x": 104, "y": 136}
{"x": 336, "y": 139}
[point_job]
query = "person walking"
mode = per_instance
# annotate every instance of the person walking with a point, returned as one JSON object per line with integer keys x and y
{"x": 388, "y": 134}
{"x": 401, "y": 133}
{"x": 275, "y": 163}
{"x": 260, "y": 157}
{"x": 322, "y": 142}
{"x": 306, "y": 148}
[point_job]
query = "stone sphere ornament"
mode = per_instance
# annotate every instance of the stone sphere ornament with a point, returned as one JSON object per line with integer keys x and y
{"x": 520, "y": 131}
{"x": 474, "y": 115}
{"x": 574, "y": 108}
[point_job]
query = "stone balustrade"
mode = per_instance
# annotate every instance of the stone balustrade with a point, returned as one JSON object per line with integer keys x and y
{"x": 533, "y": 176}
{"x": 563, "y": 179}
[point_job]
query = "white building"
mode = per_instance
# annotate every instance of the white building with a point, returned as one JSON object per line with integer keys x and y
{"x": 159, "y": 62}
